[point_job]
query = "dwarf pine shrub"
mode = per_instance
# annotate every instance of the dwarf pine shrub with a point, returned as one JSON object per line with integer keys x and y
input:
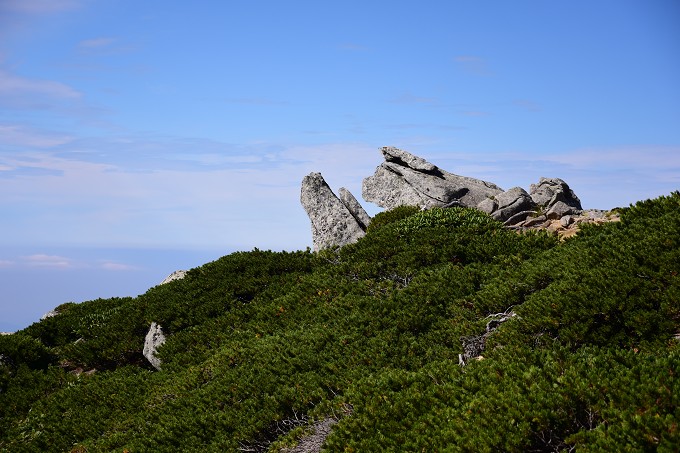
{"x": 371, "y": 334}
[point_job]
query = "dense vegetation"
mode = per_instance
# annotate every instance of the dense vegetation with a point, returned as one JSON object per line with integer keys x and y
{"x": 586, "y": 359}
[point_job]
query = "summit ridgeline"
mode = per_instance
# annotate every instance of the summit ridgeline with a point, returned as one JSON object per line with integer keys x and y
{"x": 404, "y": 179}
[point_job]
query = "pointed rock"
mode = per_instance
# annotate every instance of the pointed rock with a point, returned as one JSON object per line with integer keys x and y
{"x": 405, "y": 179}
{"x": 332, "y": 222}
{"x": 154, "y": 339}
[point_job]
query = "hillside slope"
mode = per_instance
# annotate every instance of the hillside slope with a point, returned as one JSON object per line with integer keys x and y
{"x": 437, "y": 331}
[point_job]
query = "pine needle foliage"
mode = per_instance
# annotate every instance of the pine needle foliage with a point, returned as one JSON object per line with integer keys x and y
{"x": 259, "y": 343}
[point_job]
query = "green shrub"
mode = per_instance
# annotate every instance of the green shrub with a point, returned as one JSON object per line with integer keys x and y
{"x": 258, "y": 339}
{"x": 393, "y": 215}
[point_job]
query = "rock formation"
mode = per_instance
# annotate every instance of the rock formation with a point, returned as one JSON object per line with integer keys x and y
{"x": 555, "y": 197}
{"x": 49, "y": 314}
{"x": 334, "y": 222}
{"x": 550, "y": 198}
{"x": 567, "y": 225}
{"x": 177, "y": 275}
{"x": 510, "y": 206}
{"x": 405, "y": 179}
{"x": 355, "y": 208}
{"x": 153, "y": 340}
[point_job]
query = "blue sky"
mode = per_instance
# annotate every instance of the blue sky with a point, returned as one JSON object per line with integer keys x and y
{"x": 137, "y": 138}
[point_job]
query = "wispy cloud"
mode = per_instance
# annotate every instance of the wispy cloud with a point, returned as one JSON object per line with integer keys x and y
{"x": 410, "y": 98}
{"x": 114, "y": 266}
{"x": 473, "y": 113}
{"x": 14, "y": 86}
{"x": 51, "y": 261}
{"x": 528, "y": 105}
{"x": 602, "y": 177}
{"x": 630, "y": 157}
{"x": 225, "y": 198}
{"x": 14, "y": 134}
{"x": 473, "y": 65}
{"x": 96, "y": 43}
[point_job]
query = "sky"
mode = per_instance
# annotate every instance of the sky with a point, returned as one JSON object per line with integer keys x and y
{"x": 138, "y": 138}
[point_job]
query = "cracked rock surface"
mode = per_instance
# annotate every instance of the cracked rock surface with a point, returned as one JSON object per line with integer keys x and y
{"x": 405, "y": 179}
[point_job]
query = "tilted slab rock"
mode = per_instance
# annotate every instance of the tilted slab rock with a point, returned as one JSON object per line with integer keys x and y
{"x": 332, "y": 222}
{"x": 405, "y": 179}
{"x": 355, "y": 208}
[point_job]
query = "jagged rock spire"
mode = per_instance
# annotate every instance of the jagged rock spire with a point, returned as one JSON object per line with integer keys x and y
{"x": 334, "y": 222}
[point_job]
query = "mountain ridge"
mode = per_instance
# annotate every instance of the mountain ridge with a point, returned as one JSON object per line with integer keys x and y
{"x": 565, "y": 345}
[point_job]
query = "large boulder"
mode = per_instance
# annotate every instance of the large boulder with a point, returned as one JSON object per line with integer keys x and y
{"x": 511, "y": 206}
{"x": 555, "y": 198}
{"x": 333, "y": 223}
{"x": 405, "y": 179}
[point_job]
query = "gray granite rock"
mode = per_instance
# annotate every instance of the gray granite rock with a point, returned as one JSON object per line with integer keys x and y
{"x": 512, "y": 202}
{"x": 405, "y": 179}
{"x": 177, "y": 275}
{"x": 488, "y": 205}
{"x": 355, "y": 208}
{"x": 153, "y": 340}
{"x": 560, "y": 209}
{"x": 332, "y": 222}
{"x": 550, "y": 191}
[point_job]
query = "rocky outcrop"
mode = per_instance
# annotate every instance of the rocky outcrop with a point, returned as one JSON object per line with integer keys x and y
{"x": 153, "y": 340}
{"x": 550, "y": 198}
{"x": 555, "y": 198}
{"x": 49, "y": 314}
{"x": 333, "y": 222}
{"x": 567, "y": 225}
{"x": 405, "y": 179}
{"x": 510, "y": 206}
{"x": 177, "y": 275}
